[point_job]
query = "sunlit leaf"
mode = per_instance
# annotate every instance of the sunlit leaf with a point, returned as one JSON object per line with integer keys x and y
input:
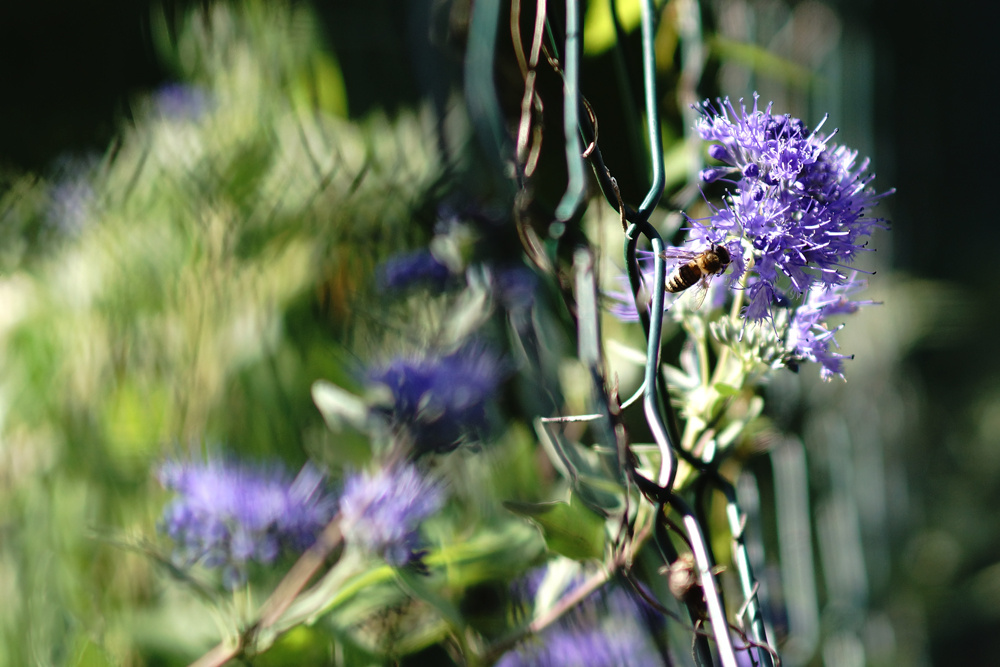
{"x": 599, "y": 28}
{"x": 339, "y": 407}
{"x": 725, "y": 389}
{"x": 591, "y": 473}
{"x": 570, "y": 529}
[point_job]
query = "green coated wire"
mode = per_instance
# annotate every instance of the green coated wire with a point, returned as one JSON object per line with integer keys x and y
{"x": 713, "y": 599}
{"x": 652, "y": 111}
{"x": 708, "y": 480}
{"x": 653, "y": 319}
{"x": 576, "y": 189}
{"x": 655, "y": 402}
{"x": 651, "y": 404}
{"x": 480, "y": 93}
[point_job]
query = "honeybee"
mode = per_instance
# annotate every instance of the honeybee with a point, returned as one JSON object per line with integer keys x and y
{"x": 697, "y": 271}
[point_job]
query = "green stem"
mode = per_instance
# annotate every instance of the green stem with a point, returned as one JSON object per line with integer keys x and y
{"x": 734, "y": 315}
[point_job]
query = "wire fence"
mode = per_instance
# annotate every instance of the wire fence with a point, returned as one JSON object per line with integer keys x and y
{"x": 694, "y": 526}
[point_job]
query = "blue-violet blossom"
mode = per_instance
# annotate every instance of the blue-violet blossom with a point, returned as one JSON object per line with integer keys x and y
{"x": 181, "y": 102}
{"x": 72, "y": 203}
{"x": 516, "y": 287}
{"x": 585, "y": 647}
{"x": 610, "y": 627}
{"x": 440, "y": 401}
{"x": 799, "y": 201}
{"x": 228, "y": 514}
{"x": 412, "y": 269}
{"x": 381, "y": 512}
{"x": 809, "y": 337}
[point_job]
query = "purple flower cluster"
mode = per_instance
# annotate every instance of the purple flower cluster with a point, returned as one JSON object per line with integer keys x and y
{"x": 411, "y": 270}
{"x": 799, "y": 202}
{"x": 440, "y": 401}
{"x": 609, "y": 628}
{"x": 381, "y": 512}
{"x": 585, "y": 647}
{"x": 72, "y": 202}
{"x": 227, "y": 515}
{"x": 809, "y": 337}
{"x": 516, "y": 287}
{"x": 181, "y": 102}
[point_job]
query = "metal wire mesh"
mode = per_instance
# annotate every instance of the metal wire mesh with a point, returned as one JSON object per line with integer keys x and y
{"x": 656, "y": 404}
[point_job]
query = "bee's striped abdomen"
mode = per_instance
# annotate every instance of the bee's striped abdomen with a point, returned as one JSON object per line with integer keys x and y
{"x": 683, "y": 277}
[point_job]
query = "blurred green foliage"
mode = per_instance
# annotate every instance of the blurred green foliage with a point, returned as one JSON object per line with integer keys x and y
{"x": 186, "y": 293}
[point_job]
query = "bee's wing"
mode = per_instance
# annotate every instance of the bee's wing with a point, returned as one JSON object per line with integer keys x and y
{"x": 679, "y": 253}
{"x": 696, "y": 295}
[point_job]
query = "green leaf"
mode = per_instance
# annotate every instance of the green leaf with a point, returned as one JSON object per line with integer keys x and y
{"x": 599, "y": 28}
{"x": 357, "y": 587}
{"x": 592, "y": 474}
{"x": 726, "y": 389}
{"x": 569, "y": 529}
{"x": 760, "y": 60}
{"x": 677, "y": 378}
{"x": 321, "y": 84}
{"x": 600, "y": 494}
{"x": 416, "y": 585}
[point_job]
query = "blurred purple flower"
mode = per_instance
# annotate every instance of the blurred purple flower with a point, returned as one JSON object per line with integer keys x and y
{"x": 381, "y": 512}
{"x": 524, "y": 590}
{"x": 620, "y": 645}
{"x": 516, "y": 286}
{"x": 441, "y": 401}
{"x": 412, "y": 269}
{"x": 177, "y": 101}
{"x": 746, "y": 654}
{"x": 621, "y": 303}
{"x": 229, "y": 514}
{"x": 611, "y": 627}
{"x": 71, "y": 204}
